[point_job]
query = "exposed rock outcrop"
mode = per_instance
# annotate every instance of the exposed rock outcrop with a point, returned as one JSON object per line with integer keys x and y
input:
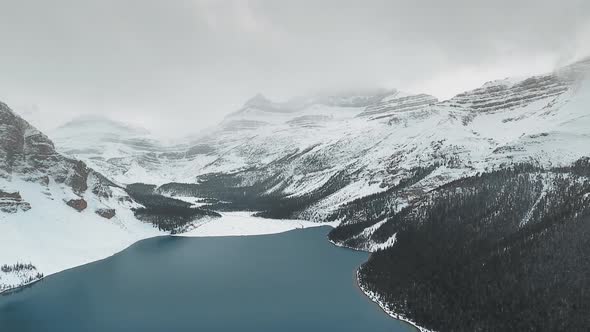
{"x": 78, "y": 204}
{"x": 397, "y": 103}
{"x": 12, "y": 202}
{"x": 28, "y": 154}
{"x": 106, "y": 213}
{"x": 506, "y": 95}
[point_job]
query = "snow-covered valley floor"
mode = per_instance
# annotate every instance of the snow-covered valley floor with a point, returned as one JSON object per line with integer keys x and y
{"x": 79, "y": 239}
{"x": 244, "y": 223}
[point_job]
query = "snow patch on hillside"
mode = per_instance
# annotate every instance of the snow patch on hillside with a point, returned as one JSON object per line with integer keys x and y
{"x": 54, "y": 237}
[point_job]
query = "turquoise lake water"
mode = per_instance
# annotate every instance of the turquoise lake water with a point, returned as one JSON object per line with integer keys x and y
{"x": 294, "y": 281}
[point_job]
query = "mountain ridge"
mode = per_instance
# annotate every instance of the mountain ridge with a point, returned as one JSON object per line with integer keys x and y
{"x": 474, "y": 189}
{"x": 57, "y": 213}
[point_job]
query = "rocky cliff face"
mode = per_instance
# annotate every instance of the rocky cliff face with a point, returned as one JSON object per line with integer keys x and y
{"x": 12, "y": 202}
{"x": 29, "y": 156}
{"x": 504, "y": 94}
{"x": 28, "y": 153}
{"x": 397, "y": 103}
{"x": 55, "y": 212}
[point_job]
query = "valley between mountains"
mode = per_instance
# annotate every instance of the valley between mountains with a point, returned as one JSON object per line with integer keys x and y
{"x": 476, "y": 209}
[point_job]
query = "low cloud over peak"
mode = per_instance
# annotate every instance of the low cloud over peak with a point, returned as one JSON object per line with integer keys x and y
{"x": 179, "y": 67}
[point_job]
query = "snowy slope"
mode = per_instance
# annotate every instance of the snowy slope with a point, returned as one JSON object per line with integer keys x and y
{"x": 113, "y": 147}
{"x": 240, "y": 141}
{"x": 542, "y": 120}
{"x": 51, "y": 204}
{"x": 56, "y": 213}
{"x": 373, "y": 140}
{"x": 53, "y": 236}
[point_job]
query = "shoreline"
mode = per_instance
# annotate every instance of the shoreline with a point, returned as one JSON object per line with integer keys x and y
{"x": 301, "y": 224}
{"x": 383, "y": 306}
{"x": 375, "y": 298}
{"x": 371, "y": 296}
{"x": 7, "y": 291}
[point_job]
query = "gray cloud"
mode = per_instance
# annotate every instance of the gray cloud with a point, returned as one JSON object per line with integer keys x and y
{"x": 178, "y": 66}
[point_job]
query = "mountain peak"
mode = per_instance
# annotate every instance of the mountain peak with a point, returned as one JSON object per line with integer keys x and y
{"x": 575, "y": 70}
{"x": 98, "y": 123}
{"x": 343, "y": 98}
{"x": 258, "y": 100}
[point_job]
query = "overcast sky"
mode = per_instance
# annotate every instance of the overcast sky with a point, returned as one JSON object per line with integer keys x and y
{"x": 176, "y": 66}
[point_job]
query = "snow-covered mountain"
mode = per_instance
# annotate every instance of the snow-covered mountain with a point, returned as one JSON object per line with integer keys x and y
{"x": 501, "y": 170}
{"x": 239, "y": 142}
{"x": 56, "y": 212}
{"x": 368, "y": 141}
{"x": 105, "y": 136}
{"x": 114, "y": 148}
{"x": 541, "y": 120}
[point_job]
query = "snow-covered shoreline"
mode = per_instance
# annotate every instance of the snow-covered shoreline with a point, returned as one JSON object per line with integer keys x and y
{"x": 25, "y": 285}
{"x": 230, "y": 224}
{"x": 53, "y": 253}
{"x": 246, "y": 224}
{"x": 376, "y": 299}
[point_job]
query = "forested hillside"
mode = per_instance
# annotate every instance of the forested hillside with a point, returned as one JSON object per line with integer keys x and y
{"x": 502, "y": 251}
{"x": 167, "y": 214}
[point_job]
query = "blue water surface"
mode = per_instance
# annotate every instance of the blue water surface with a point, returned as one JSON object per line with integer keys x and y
{"x": 295, "y": 281}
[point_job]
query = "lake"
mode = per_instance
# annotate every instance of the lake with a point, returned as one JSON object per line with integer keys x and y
{"x": 294, "y": 281}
